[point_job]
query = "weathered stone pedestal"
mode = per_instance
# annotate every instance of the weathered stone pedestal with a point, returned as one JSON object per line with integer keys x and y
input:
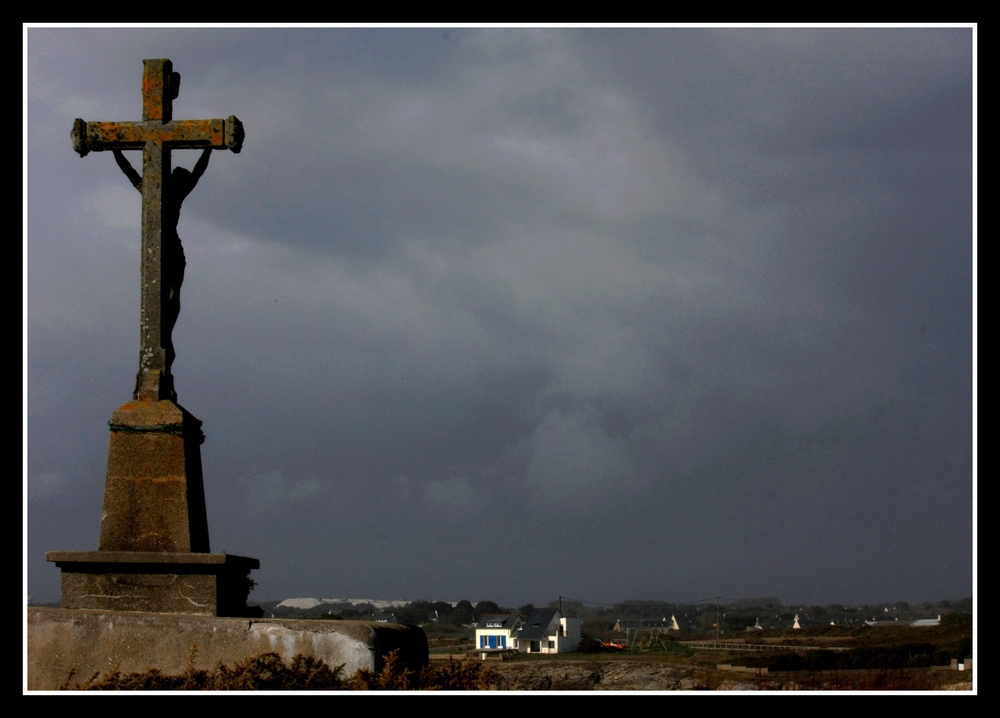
{"x": 154, "y": 552}
{"x": 213, "y": 584}
{"x": 154, "y": 497}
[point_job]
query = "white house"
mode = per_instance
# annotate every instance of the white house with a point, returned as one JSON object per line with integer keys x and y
{"x": 495, "y": 633}
{"x": 548, "y": 631}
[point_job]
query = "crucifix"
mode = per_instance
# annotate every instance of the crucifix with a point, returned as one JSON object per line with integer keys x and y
{"x": 153, "y": 553}
{"x": 162, "y": 194}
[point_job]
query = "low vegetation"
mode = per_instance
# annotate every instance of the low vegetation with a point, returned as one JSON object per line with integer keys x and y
{"x": 267, "y": 672}
{"x": 885, "y": 656}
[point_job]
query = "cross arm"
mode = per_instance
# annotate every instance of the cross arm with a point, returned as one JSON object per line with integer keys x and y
{"x": 180, "y": 134}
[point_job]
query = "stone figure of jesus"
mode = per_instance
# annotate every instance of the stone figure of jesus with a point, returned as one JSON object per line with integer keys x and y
{"x": 176, "y": 189}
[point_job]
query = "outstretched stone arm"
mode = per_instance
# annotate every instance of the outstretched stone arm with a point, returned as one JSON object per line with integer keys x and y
{"x": 201, "y": 165}
{"x": 129, "y": 171}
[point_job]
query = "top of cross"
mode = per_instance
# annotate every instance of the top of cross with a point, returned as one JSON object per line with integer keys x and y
{"x": 160, "y": 85}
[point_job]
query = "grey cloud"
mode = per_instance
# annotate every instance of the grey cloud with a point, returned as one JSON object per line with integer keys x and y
{"x": 269, "y": 489}
{"x": 722, "y": 275}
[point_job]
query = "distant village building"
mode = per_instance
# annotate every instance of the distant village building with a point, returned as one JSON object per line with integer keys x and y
{"x": 892, "y": 622}
{"x": 652, "y": 627}
{"x": 496, "y": 633}
{"x": 661, "y": 626}
{"x": 802, "y": 620}
{"x": 889, "y": 618}
{"x": 926, "y": 622}
{"x": 384, "y": 618}
{"x": 548, "y": 631}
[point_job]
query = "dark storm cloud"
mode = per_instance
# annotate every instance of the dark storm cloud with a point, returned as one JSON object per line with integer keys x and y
{"x": 576, "y": 298}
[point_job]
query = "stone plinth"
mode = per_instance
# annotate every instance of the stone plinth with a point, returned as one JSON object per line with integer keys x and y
{"x": 214, "y": 584}
{"x": 154, "y": 498}
{"x": 154, "y": 553}
{"x": 85, "y": 642}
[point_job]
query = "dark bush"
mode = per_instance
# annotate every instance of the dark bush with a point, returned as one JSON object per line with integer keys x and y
{"x": 820, "y": 660}
{"x": 787, "y": 662}
{"x": 267, "y": 672}
{"x": 258, "y": 673}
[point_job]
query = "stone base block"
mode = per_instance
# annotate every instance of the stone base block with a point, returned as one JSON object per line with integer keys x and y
{"x": 214, "y": 584}
{"x": 81, "y": 642}
{"x": 154, "y": 495}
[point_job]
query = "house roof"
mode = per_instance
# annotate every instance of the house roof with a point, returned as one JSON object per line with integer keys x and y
{"x": 498, "y": 620}
{"x": 537, "y": 625}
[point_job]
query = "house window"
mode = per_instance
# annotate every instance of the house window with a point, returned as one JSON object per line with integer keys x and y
{"x": 552, "y": 644}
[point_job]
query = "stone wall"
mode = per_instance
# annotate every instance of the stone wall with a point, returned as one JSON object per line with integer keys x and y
{"x": 87, "y": 641}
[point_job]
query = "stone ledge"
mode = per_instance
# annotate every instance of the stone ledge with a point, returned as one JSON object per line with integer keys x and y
{"x": 146, "y": 412}
{"x": 103, "y": 557}
{"x": 88, "y": 641}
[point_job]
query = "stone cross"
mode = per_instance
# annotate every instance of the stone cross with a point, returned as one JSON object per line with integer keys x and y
{"x": 156, "y": 135}
{"x": 154, "y": 551}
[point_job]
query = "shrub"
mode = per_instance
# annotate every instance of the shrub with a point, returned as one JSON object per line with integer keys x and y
{"x": 267, "y": 672}
{"x": 453, "y": 676}
{"x": 264, "y": 672}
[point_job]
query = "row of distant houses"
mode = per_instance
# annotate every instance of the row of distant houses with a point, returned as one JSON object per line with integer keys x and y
{"x": 798, "y": 622}
{"x": 546, "y": 630}
{"x": 664, "y": 625}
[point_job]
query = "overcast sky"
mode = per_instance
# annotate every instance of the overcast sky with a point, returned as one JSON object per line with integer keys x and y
{"x": 510, "y": 314}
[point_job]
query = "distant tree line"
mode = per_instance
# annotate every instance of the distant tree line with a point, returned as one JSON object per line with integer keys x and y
{"x": 462, "y": 613}
{"x": 598, "y": 620}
